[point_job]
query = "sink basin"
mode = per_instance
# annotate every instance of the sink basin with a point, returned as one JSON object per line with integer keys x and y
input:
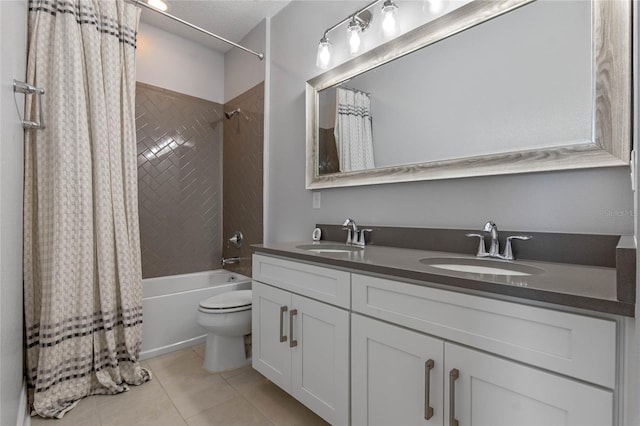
{"x": 482, "y": 266}
{"x": 329, "y": 248}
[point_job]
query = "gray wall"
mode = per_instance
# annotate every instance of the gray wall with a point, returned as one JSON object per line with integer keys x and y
{"x": 242, "y": 71}
{"x": 13, "y": 21}
{"x": 590, "y": 201}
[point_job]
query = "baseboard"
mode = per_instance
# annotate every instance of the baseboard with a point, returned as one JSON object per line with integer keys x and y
{"x": 173, "y": 347}
{"x": 24, "y": 415}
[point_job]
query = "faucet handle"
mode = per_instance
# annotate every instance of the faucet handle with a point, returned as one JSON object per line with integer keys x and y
{"x": 361, "y": 241}
{"x": 350, "y": 239}
{"x": 508, "y": 250}
{"x": 482, "y": 251}
{"x": 519, "y": 237}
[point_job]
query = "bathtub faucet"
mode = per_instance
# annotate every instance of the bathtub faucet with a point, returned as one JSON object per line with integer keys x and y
{"x": 230, "y": 260}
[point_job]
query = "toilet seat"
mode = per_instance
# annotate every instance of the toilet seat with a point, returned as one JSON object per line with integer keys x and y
{"x": 230, "y": 301}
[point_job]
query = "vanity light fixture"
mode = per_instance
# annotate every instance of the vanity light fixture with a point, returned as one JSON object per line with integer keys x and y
{"x": 157, "y": 4}
{"x": 357, "y": 24}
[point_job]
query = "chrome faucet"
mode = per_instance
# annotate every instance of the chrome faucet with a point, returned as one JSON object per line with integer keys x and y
{"x": 354, "y": 236}
{"x": 494, "y": 249}
{"x": 352, "y": 230}
{"x": 230, "y": 260}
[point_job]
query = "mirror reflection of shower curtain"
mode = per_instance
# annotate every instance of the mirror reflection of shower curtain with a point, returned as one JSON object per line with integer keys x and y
{"x": 353, "y": 131}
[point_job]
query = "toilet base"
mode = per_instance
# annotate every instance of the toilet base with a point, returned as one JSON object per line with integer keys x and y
{"x": 223, "y": 353}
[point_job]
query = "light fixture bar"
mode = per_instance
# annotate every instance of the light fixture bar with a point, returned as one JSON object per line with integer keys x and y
{"x": 197, "y": 28}
{"x": 348, "y": 18}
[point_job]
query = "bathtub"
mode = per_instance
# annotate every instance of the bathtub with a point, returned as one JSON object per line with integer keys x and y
{"x": 169, "y": 306}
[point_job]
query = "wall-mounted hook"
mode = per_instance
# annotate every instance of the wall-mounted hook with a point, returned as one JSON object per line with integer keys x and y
{"x": 27, "y": 89}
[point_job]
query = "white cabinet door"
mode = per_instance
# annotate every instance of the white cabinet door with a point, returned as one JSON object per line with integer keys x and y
{"x": 320, "y": 359}
{"x": 493, "y": 391}
{"x": 396, "y": 375}
{"x": 302, "y": 346}
{"x": 270, "y": 329}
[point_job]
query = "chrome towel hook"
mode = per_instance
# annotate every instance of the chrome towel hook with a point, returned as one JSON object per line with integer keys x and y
{"x": 27, "y": 89}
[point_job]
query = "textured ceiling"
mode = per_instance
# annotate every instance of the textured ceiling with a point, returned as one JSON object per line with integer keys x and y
{"x": 231, "y": 19}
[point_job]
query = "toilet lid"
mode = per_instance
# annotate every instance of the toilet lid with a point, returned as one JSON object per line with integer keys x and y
{"x": 228, "y": 300}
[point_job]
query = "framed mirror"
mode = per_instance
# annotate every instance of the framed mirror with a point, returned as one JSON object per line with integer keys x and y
{"x": 493, "y": 87}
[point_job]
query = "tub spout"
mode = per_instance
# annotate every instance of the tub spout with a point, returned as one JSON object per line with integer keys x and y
{"x": 230, "y": 260}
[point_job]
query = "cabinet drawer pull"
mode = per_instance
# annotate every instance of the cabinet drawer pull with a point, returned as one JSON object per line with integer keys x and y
{"x": 283, "y": 310}
{"x": 453, "y": 376}
{"x": 428, "y": 410}
{"x": 292, "y": 343}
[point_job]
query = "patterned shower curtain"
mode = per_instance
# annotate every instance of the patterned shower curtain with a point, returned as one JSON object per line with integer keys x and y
{"x": 353, "y": 131}
{"x": 82, "y": 274}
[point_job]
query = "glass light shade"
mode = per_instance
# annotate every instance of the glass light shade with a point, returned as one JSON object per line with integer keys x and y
{"x": 354, "y": 37}
{"x": 323, "y": 59}
{"x": 434, "y": 7}
{"x": 158, "y": 4}
{"x": 390, "y": 25}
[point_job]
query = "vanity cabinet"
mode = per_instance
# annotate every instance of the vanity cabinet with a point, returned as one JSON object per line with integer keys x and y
{"x": 302, "y": 344}
{"x": 369, "y": 350}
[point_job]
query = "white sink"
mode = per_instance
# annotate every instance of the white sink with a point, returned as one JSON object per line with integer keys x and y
{"x": 482, "y": 266}
{"x": 329, "y": 248}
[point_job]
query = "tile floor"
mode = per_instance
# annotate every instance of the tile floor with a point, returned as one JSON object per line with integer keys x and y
{"x": 182, "y": 393}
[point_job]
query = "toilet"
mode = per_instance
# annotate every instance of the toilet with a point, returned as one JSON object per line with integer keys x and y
{"x": 227, "y": 319}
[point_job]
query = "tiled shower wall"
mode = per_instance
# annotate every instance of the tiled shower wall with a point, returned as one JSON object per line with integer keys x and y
{"x": 179, "y": 181}
{"x": 243, "y": 167}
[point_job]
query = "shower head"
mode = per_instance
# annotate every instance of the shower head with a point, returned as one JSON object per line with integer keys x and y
{"x": 230, "y": 114}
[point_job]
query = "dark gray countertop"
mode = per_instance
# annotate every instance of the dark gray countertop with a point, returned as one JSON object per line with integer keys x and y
{"x": 579, "y": 286}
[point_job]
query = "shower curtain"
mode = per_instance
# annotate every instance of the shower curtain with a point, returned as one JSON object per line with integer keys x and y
{"x": 353, "y": 132}
{"x": 82, "y": 274}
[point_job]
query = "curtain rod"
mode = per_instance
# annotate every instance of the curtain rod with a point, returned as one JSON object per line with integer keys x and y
{"x": 195, "y": 27}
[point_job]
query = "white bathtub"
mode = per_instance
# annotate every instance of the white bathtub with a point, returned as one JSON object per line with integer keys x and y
{"x": 169, "y": 306}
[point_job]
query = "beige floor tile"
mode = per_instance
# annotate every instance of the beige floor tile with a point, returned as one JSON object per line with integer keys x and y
{"x": 199, "y": 350}
{"x": 166, "y": 361}
{"x": 147, "y": 404}
{"x": 195, "y": 393}
{"x": 233, "y": 412}
{"x": 83, "y": 414}
{"x": 244, "y": 379}
{"x": 281, "y": 408}
{"x": 183, "y": 365}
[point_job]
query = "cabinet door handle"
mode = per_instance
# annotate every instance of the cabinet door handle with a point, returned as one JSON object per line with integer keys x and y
{"x": 292, "y": 342}
{"x": 283, "y": 310}
{"x": 453, "y": 376}
{"x": 428, "y": 410}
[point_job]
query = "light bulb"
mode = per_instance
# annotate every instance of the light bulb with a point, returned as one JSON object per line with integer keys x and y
{"x": 158, "y": 4}
{"x": 323, "y": 59}
{"x": 434, "y": 7}
{"x": 354, "y": 38}
{"x": 390, "y": 25}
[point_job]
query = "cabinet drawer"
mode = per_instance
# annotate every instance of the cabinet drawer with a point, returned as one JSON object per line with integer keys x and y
{"x": 571, "y": 344}
{"x": 316, "y": 282}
